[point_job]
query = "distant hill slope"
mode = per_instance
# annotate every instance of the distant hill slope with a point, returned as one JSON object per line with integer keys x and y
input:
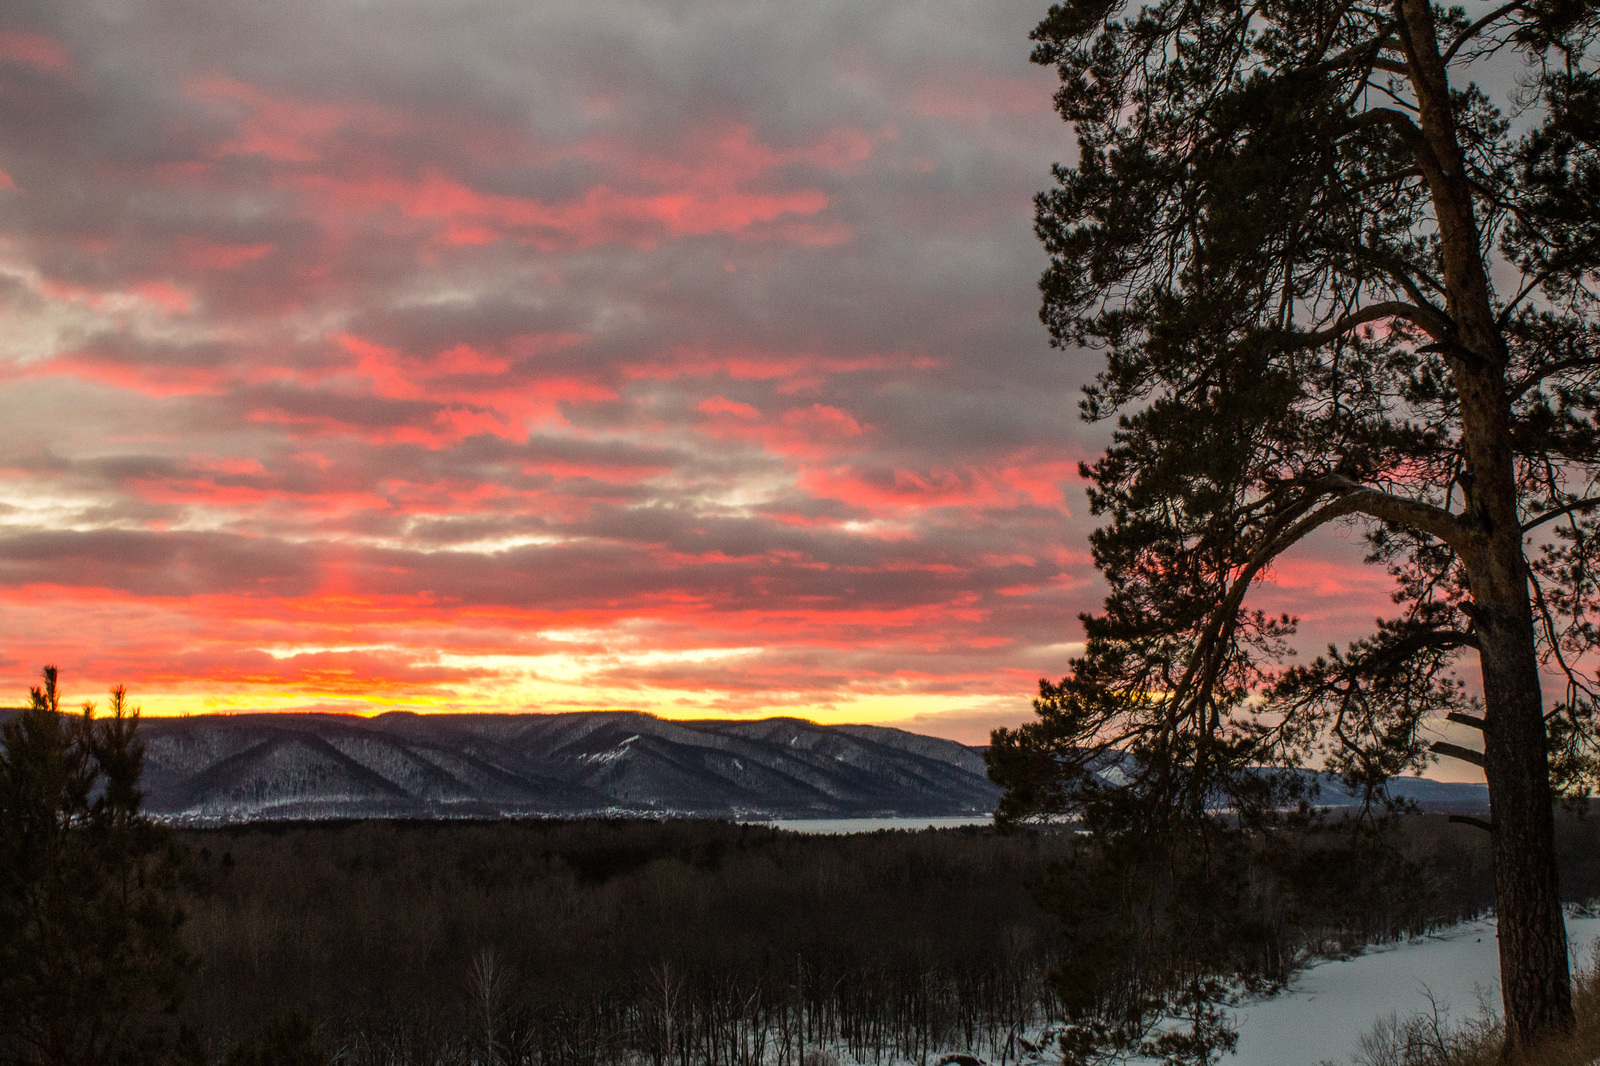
{"x": 228, "y": 768}
{"x": 212, "y": 769}
{"x": 1426, "y": 793}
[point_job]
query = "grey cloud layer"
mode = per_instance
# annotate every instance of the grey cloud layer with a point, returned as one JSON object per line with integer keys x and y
{"x": 344, "y": 288}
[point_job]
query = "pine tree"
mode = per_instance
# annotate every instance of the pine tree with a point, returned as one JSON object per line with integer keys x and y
{"x": 91, "y": 963}
{"x": 1336, "y": 281}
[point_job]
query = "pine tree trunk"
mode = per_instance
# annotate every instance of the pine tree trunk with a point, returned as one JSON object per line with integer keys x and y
{"x": 1535, "y": 981}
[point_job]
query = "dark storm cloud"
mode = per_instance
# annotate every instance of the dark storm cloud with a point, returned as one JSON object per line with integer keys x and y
{"x": 144, "y": 564}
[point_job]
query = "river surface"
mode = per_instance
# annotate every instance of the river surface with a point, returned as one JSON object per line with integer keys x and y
{"x": 871, "y": 825}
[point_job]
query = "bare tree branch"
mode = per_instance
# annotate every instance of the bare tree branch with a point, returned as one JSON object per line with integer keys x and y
{"x": 1528, "y": 381}
{"x": 1467, "y": 819}
{"x": 1435, "y": 521}
{"x": 1436, "y": 326}
{"x": 1398, "y": 121}
{"x": 1575, "y": 505}
{"x": 1473, "y": 30}
{"x": 1456, "y": 751}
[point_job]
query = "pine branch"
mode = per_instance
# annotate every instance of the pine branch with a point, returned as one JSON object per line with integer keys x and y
{"x": 1436, "y": 326}
{"x": 1200, "y": 676}
{"x": 1456, "y": 751}
{"x": 1575, "y": 505}
{"x": 1467, "y": 819}
{"x": 1398, "y": 121}
{"x": 1434, "y": 521}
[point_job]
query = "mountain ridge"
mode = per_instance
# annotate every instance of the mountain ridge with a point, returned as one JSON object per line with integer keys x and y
{"x": 212, "y": 769}
{"x": 224, "y": 768}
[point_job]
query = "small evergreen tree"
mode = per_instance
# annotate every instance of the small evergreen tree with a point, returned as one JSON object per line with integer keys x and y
{"x": 91, "y": 963}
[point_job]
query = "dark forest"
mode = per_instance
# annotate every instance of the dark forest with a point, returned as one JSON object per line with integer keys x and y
{"x": 683, "y": 942}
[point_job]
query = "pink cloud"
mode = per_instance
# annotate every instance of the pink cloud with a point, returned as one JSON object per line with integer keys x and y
{"x": 285, "y": 129}
{"x": 876, "y": 489}
{"x": 207, "y": 255}
{"x": 817, "y": 432}
{"x": 33, "y": 50}
{"x": 640, "y": 199}
{"x": 171, "y": 298}
{"x": 601, "y": 215}
{"x": 721, "y": 405}
{"x": 824, "y": 419}
{"x": 753, "y": 364}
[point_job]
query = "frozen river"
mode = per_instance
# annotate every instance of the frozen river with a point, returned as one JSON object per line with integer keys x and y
{"x": 870, "y": 825}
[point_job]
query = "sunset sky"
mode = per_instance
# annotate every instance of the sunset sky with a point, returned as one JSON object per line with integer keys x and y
{"x": 544, "y": 355}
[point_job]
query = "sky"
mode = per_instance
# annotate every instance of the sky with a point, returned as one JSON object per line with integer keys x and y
{"x": 366, "y": 355}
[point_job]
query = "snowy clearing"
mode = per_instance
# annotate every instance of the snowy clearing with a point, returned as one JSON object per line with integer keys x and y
{"x": 1329, "y": 1006}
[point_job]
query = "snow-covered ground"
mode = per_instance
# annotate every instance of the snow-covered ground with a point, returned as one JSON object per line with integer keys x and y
{"x": 1330, "y": 1005}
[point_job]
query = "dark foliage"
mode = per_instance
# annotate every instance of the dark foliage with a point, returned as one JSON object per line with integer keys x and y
{"x": 1334, "y": 282}
{"x": 1161, "y": 933}
{"x": 691, "y": 942}
{"x": 91, "y": 959}
{"x": 685, "y": 942}
{"x": 288, "y": 1041}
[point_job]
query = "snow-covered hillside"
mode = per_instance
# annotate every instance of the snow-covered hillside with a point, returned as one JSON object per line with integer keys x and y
{"x": 245, "y": 767}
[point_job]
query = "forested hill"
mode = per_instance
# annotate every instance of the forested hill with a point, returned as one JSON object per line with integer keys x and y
{"x": 224, "y": 768}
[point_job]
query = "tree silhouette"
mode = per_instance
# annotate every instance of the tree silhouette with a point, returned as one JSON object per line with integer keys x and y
{"x": 1336, "y": 281}
{"x": 91, "y": 962}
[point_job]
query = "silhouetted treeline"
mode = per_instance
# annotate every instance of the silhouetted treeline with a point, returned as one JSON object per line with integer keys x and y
{"x": 1455, "y": 860}
{"x": 674, "y": 943}
{"x": 691, "y": 943}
